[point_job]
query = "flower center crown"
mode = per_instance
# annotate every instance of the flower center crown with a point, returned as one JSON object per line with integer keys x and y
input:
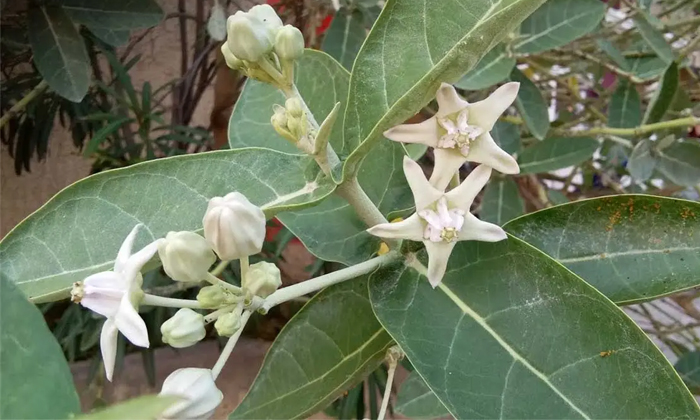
{"x": 443, "y": 224}
{"x": 458, "y": 133}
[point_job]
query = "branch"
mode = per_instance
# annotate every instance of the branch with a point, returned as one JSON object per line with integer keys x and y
{"x": 637, "y": 131}
{"x": 22, "y": 103}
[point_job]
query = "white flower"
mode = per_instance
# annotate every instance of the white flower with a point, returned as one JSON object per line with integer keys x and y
{"x": 186, "y": 256}
{"x": 234, "y": 227}
{"x": 115, "y": 295}
{"x": 197, "y": 388}
{"x": 441, "y": 219}
{"x": 183, "y": 329}
{"x": 459, "y": 132}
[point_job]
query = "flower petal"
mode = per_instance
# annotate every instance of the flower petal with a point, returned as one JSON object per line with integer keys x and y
{"x": 103, "y": 303}
{"x": 108, "y": 347}
{"x": 410, "y": 228}
{"x": 136, "y": 261}
{"x": 125, "y": 249}
{"x": 485, "y": 113}
{"x": 478, "y": 230}
{"x": 485, "y": 150}
{"x": 447, "y": 163}
{"x": 463, "y": 196}
{"x": 425, "y": 132}
{"x": 448, "y": 100}
{"x": 130, "y": 323}
{"x": 438, "y": 255}
{"x": 424, "y": 194}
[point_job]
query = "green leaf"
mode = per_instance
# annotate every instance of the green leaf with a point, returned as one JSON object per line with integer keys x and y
{"x": 625, "y": 108}
{"x": 59, "y": 51}
{"x": 647, "y": 67}
{"x": 501, "y": 201}
{"x": 510, "y": 333}
{"x": 121, "y": 15}
{"x": 654, "y": 37}
{"x": 664, "y": 95}
{"x": 494, "y": 68}
{"x": 78, "y": 232}
{"x": 688, "y": 367}
{"x": 410, "y": 50}
{"x": 557, "y": 23}
{"x": 94, "y": 144}
{"x": 146, "y": 407}
{"x": 630, "y": 247}
{"x": 641, "y": 163}
{"x": 416, "y": 401}
{"x": 345, "y": 36}
{"x": 507, "y": 136}
{"x": 557, "y": 197}
{"x": 612, "y": 51}
{"x": 556, "y": 153}
{"x": 531, "y": 105}
{"x": 680, "y": 163}
{"x": 112, "y": 37}
{"x": 36, "y": 380}
{"x": 330, "y": 345}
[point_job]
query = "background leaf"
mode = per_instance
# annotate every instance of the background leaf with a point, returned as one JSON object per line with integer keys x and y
{"x": 330, "y": 345}
{"x": 688, "y": 367}
{"x": 654, "y": 38}
{"x": 641, "y": 163}
{"x": 345, "y": 36}
{"x": 416, "y": 401}
{"x": 493, "y": 68}
{"x": 36, "y": 380}
{"x": 79, "y": 231}
{"x": 531, "y": 105}
{"x": 680, "y": 163}
{"x": 501, "y": 201}
{"x": 557, "y": 23}
{"x": 115, "y": 15}
{"x": 59, "y": 51}
{"x": 556, "y": 153}
{"x": 146, "y": 407}
{"x": 632, "y": 248}
{"x": 111, "y": 37}
{"x": 515, "y": 335}
{"x": 664, "y": 95}
{"x": 507, "y": 136}
{"x": 625, "y": 109}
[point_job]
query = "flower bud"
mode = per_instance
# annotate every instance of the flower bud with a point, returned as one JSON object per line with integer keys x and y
{"x": 197, "y": 389}
{"x": 183, "y": 329}
{"x": 228, "y": 324}
{"x": 279, "y": 119}
{"x": 211, "y": 297}
{"x": 262, "y": 279}
{"x": 186, "y": 256}
{"x": 269, "y": 18}
{"x": 289, "y": 43}
{"x": 234, "y": 227}
{"x": 231, "y": 60}
{"x": 294, "y": 107}
{"x": 248, "y": 37}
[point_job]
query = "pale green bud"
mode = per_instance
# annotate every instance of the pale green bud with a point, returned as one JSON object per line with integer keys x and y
{"x": 289, "y": 43}
{"x": 231, "y": 60}
{"x": 234, "y": 227}
{"x": 294, "y": 107}
{"x": 228, "y": 324}
{"x": 269, "y": 18}
{"x": 186, "y": 256}
{"x": 248, "y": 37}
{"x": 262, "y": 279}
{"x": 279, "y": 119}
{"x": 184, "y": 329}
{"x": 211, "y": 297}
{"x": 294, "y": 125}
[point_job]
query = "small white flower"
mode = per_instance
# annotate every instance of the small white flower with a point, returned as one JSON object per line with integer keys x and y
{"x": 459, "y": 132}
{"x": 234, "y": 227}
{"x": 115, "y": 295}
{"x": 197, "y": 388}
{"x": 441, "y": 219}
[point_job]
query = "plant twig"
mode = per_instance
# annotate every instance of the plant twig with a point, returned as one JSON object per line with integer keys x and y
{"x": 636, "y": 131}
{"x": 22, "y": 103}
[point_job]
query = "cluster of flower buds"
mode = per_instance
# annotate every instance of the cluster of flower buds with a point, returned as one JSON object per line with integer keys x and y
{"x": 262, "y": 47}
{"x": 290, "y": 121}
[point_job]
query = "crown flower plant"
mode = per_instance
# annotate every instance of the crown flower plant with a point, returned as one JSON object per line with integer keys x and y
{"x": 503, "y": 279}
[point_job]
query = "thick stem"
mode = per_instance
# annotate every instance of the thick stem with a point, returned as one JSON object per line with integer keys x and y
{"x": 300, "y": 289}
{"x": 637, "y": 131}
{"x": 226, "y": 352}
{"x": 22, "y": 103}
{"x": 245, "y": 265}
{"x": 353, "y": 193}
{"x": 154, "y": 300}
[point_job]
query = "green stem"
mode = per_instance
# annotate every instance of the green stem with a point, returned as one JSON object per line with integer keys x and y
{"x": 22, "y": 103}
{"x": 245, "y": 265}
{"x": 217, "y": 281}
{"x": 637, "y": 131}
{"x": 228, "y": 349}
{"x": 353, "y": 193}
{"x": 219, "y": 268}
{"x": 154, "y": 300}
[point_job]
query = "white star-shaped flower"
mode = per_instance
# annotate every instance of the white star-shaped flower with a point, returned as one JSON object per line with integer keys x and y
{"x": 441, "y": 219}
{"x": 459, "y": 132}
{"x": 115, "y": 295}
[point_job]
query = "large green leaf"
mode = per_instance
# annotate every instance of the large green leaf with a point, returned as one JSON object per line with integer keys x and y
{"x": 630, "y": 247}
{"x": 410, "y": 50}
{"x": 501, "y": 201}
{"x": 647, "y": 67}
{"x": 680, "y": 162}
{"x": 345, "y": 36}
{"x": 556, "y": 153}
{"x": 510, "y": 333}
{"x": 59, "y": 51}
{"x": 79, "y": 231}
{"x": 557, "y": 23}
{"x": 493, "y": 68}
{"x": 625, "y": 108}
{"x": 531, "y": 105}
{"x": 147, "y": 407}
{"x": 330, "y": 345}
{"x": 664, "y": 95}
{"x": 36, "y": 380}
{"x": 654, "y": 38}
{"x": 417, "y": 401}
{"x": 115, "y": 15}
